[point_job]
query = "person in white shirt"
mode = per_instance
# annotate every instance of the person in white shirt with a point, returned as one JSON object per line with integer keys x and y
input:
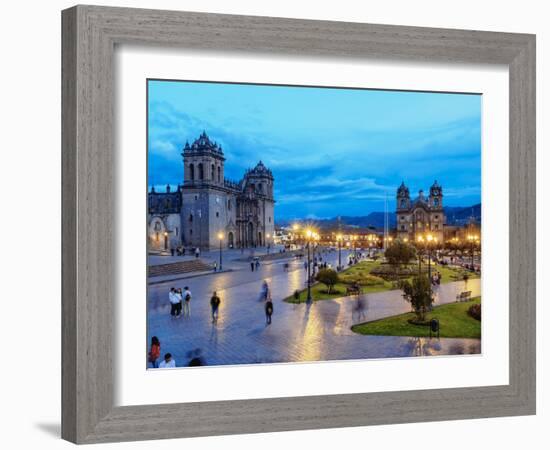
{"x": 168, "y": 362}
{"x": 186, "y": 302}
{"x": 175, "y": 303}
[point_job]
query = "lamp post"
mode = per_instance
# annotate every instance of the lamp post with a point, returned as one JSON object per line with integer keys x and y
{"x": 220, "y": 237}
{"x": 268, "y": 236}
{"x": 295, "y": 229}
{"x": 472, "y": 239}
{"x": 339, "y": 239}
{"x": 429, "y": 240}
{"x": 309, "y": 235}
{"x": 420, "y": 240}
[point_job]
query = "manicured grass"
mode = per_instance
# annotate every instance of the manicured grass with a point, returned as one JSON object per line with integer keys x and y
{"x": 449, "y": 274}
{"x": 319, "y": 292}
{"x": 361, "y": 273}
{"x": 454, "y": 322}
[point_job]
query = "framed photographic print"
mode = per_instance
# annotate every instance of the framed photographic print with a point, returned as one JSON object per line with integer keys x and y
{"x": 285, "y": 216}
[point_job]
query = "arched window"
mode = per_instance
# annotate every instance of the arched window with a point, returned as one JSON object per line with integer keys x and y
{"x": 192, "y": 172}
{"x": 229, "y": 205}
{"x": 219, "y": 174}
{"x": 201, "y": 172}
{"x": 191, "y": 218}
{"x": 261, "y": 188}
{"x": 213, "y": 172}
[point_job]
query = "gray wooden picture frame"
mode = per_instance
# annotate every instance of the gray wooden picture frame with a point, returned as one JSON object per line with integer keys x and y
{"x": 90, "y": 34}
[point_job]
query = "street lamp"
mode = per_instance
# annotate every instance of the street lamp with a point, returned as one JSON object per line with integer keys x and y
{"x": 309, "y": 235}
{"x": 339, "y": 239}
{"x": 420, "y": 240}
{"x": 268, "y": 236}
{"x": 429, "y": 239}
{"x": 295, "y": 228}
{"x": 473, "y": 239}
{"x": 220, "y": 237}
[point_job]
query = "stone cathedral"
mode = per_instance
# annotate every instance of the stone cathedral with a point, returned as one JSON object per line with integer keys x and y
{"x": 208, "y": 205}
{"x": 421, "y": 215}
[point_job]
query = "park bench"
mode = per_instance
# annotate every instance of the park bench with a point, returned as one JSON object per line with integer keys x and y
{"x": 464, "y": 296}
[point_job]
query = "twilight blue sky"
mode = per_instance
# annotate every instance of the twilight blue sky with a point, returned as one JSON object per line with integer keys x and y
{"x": 332, "y": 151}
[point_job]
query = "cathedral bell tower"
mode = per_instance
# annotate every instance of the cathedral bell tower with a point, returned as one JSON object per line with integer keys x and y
{"x": 436, "y": 196}
{"x": 403, "y": 197}
{"x": 203, "y": 163}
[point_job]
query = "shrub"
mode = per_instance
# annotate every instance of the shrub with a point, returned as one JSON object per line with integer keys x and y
{"x": 418, "y": 293}
{"x": 328, "y": 277}
{"x": 400, "y": 254}
{"x": 363, "y": 279}
{"x": 475, "y": 311}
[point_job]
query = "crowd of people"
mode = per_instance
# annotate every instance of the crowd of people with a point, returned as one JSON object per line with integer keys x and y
{"x": 180, "y": 306}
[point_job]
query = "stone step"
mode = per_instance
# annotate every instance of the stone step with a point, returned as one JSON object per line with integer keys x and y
{"x": 177, "y": 268}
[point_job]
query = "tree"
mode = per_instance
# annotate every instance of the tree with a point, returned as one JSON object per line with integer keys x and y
{"x": 328, "y": 277}
{"x": 400, "y": 253}
{"x": 419, "y": 294}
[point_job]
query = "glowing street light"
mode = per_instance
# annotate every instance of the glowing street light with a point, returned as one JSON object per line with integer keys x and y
{"x": 309, "y": 234}
{"x": 339, "y": 240}
{"x": 220, "y": 237}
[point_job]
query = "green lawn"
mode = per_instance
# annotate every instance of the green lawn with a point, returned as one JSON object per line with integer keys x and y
{"x": 361, "y": 273}
{"x": 454, "y": 322}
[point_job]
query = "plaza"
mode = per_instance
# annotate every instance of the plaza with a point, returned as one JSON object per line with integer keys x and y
{"x": 320, "y": 331}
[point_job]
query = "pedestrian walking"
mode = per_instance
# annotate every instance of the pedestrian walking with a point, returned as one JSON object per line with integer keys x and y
{"x": 168, "y": 362}
{"x": 175, "y": 303}
{"x": 215, "y": 305}
{"x": 197, "y": 252}
{"x": 252, "y": 266}
{"x": 154, "y": 352}
{"x": 265, "y": 294}
{"x": 186, "y": 302}
{"x": 257, "y": 264}
{"x": 268, "y": 311}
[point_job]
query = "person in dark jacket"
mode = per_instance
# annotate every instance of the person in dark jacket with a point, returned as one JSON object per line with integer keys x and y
{"x": 215, "y": 304}
{"x": 268, "y": 311}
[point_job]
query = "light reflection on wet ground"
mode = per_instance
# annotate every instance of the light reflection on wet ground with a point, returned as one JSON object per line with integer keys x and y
{"x": 298, "y": 332}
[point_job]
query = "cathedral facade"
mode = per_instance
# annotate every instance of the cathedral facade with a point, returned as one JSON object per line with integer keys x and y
{"x": 208, "y": 206}
{"x": 420, "y": 216}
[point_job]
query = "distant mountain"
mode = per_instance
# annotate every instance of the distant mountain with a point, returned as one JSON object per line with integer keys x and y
{"x": 455, "y": 215}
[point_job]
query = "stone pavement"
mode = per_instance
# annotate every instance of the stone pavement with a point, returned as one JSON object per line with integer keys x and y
{"x": 298, "y": 333}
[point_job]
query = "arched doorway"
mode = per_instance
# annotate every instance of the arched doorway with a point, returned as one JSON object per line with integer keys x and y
{"x": 230, "y": 240}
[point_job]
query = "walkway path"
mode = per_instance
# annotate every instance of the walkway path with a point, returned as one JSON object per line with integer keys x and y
{"x": 298, "y": 333}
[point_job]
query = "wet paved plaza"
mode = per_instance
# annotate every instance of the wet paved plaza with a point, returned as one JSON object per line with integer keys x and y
{"x": 298, "y": 332}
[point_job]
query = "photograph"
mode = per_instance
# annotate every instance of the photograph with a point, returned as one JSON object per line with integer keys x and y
{"x": 292, "y": 224}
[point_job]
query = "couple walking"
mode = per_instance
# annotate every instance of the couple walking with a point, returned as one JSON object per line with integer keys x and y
{"x": 180, "y": 301}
